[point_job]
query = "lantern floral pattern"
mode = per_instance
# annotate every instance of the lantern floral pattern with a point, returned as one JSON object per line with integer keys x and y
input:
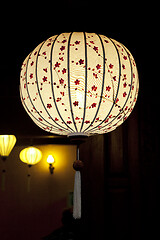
{"x": 79, "y": 83}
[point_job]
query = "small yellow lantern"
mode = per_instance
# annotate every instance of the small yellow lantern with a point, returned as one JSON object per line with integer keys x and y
{"x": 30, "y": 155}
{"x": 7, "y": 143}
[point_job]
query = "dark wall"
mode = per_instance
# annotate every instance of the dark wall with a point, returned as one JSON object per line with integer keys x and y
{"x": 121, "y": 180}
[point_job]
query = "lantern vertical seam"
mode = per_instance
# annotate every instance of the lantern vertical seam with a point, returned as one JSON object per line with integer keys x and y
{"x": 53, "y": 89}
{"x": 85, "y": 98}
{"x": 69, "y": 88}
{"x": 100, "y": 101}
{"x": 37, "y": 88}
{"x": 117, "y": 88}
{"x": 43, "y": 124}
{"x": 128, "y": 93}
{"x": 38, "y": 84}
{"x": 28, "y": 91}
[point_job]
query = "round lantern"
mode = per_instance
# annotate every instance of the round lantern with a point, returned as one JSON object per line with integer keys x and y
{"x": 79, "y": 84}
{"x": 30, "y": 155}
{"x": 7, "y": 143}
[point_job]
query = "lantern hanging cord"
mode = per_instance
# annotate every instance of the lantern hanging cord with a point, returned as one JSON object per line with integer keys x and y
{"x": 28, "y": 179}
{"x": 3, "y": 183}
{"x": 77, "y": 165}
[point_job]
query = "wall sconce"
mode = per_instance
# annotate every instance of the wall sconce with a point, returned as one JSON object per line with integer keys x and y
{"x": 50, "y": 161}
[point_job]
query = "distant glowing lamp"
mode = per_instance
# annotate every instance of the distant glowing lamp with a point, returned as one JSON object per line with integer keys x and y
{"x": 30, "y": 156}
{"x": 7, "y": 143}
{"x": 50, "y": 161}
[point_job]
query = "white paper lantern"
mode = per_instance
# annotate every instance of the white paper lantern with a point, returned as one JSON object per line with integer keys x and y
{"x": 79, "y": 83}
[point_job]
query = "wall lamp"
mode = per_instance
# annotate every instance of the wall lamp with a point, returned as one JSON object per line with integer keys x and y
{"x": 50, "y": 161}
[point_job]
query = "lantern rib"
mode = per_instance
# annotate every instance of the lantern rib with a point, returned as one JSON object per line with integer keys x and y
{"x": 85, "y": 98}
{"x": 51, "y": 87}
{"x": 122, "y": 109}
{"x": 29, "y": 94}
{"x": 114, "y": 99}
{"x": 27, "y": 110}
{"x": 100, "y": 101}
{"x": 69, "y": 92}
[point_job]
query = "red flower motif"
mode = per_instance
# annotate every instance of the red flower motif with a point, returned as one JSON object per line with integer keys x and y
{"x": 81, "y": 61}
{"x": 123, "y": 66}
{"x": 125, "y": 85}
{"x": 45, "y": 69}
{"x": 64, "y": 70}
{"x": 98, "y": 66}
{"x": 61, "y": 81}
{"x": 77, "y": 42}
{"x": 124, "y": 94}
{"x": 95, "y": 48}
{"x": 49, "y": 105}
{"x": 44, "y": 79}
{"x": 64, "y": 41}
{"x": 40, "y": 119}
{"x": 58, "y": 99}
{"x": 77, "y": 82}
{"x": 62, "y": 93}
{"x": 87, "y": 122}
{"x": 56, "y": 119}
{"x": 44, "y": 53}
{"x": 75, "y": 103}
{"x": 31, "y": 76}
{"x": 125, "y": 57}
{"x": 48, "y": 44}
{"x": 108, "y": 88}
{"x": 77, "y": 118}
{"x": 61, "y": 58}
{"x": 62, "y": 48}
{"x": 32, "y": 63}
{"x": 57, "y": 64}
{"x": 94, "y": 88}
{"x": 114, "y": 78}
{"x": 110, "y": 66}
{"x": 93, "y": 105}
{"x": 106, "y": 41}
{"x": 69, "y": 122}
{"x": 117, "y": 100}
{"x": 95, "y": 75}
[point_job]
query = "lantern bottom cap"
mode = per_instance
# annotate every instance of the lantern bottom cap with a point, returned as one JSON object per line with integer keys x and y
{"x": 77, "y": 134}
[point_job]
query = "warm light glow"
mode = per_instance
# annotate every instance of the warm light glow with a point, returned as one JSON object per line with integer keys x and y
{"x": 30, "y": 155}
{"x": 7, "y": 143}
{"x": 79, "y": 83}
{"x": 50, "y": 159}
